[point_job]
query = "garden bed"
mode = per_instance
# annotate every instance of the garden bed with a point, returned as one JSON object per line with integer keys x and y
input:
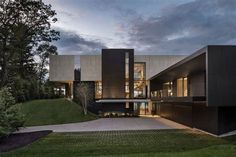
{"x": 18, "y": 140}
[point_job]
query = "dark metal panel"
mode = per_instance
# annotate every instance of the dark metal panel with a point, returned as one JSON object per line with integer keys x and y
{"x": 113, "y": 107}
{"x": 205, "y": 118}
{"x": 193, "y": 115}
{"x": 113, "y": 72}
{"x": 227, "y": 119}
{"x": 221, "y": 75}
{"x": 131, "y": 72}
{"x": 178, "y": 112}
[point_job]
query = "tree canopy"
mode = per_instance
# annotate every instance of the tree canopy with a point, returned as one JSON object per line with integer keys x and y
{"x": 26, "y": 38}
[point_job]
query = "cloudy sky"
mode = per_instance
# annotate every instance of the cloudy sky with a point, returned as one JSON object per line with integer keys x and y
{"x": 148, "y": 26}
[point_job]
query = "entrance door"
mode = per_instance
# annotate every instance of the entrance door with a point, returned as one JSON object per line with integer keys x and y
{"x": 143, "y": 108}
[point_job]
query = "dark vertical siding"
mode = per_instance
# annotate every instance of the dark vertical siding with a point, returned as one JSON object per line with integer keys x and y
{"x": 113, "y": 73}
{"x": 131, "y": 73}
{"x": 221, "y": 75}
{"x": 179, "y": 112}
{"x": 205, "y": 118}
{"x": 227, "y": 119}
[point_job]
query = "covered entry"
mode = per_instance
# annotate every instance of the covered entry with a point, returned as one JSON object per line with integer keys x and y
{"x": 145, "y": 108}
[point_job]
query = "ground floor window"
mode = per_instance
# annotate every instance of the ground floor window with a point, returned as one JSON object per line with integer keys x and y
{"x": 143, "y": 108}
{"x": 98, "y": 89}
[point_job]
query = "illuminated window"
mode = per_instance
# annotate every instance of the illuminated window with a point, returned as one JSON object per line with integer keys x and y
{"x": 127, "y": 105}
{"x": 98, "y": 89}
{"x": 127, "y": 65}
{"x": 167, "y": 89}
{"x": 185, "y": 86}
{"x": 127, "y": 89}
{"x": 139, "y": 80}
{"x": 182, "y": 87}
{"x": 139, "y": 70}
{"x": 127, "y": 95}
{"x": 157, "y": 94}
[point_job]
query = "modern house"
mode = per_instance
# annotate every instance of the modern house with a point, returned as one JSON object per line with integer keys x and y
{"x": 197, "y": 91}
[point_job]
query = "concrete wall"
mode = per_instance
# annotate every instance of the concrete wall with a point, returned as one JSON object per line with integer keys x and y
{"x": 157, "y": 63}
{"x": 61, "y": 68}
{"x": 91, "y": 67}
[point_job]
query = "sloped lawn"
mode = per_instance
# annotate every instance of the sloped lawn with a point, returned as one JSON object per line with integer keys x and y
{"x": 53, "y": 111}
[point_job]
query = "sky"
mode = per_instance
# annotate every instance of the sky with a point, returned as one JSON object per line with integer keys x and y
{"x": 152, "y": 27}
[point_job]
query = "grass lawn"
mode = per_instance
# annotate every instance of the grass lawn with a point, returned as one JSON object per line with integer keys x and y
{"x": 163, "y": 143}
{"x": 53, "y": 111}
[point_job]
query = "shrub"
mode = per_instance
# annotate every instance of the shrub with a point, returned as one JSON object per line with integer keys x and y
{"x": 10, "y": 117}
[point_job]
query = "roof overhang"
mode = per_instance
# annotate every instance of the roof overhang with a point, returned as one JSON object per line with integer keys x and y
{"x": 192, "y": 64}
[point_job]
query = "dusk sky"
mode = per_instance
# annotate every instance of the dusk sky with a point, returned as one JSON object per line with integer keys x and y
{"x": 148, "y": 26}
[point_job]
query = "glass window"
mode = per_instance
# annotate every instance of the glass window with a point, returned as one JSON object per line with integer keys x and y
{"x": 139, "y": 89}
{"x": 98, "y": 89}
{"x": 127, "y": 89}
{"x": 182, "y": 87}
{"x": 127, "y": 95}
{"x": 139, "y": 80}
{"x": 185, "y": 89}
{"x": 139, "y": 70}
{"x": 157, "y": 94}
{"x": 167, "y": 89}
{"x": 127, "y": 105}
{"x": 127, "y": 65}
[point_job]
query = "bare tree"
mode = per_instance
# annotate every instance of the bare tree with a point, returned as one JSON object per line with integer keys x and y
{"x": 85, "y": 95}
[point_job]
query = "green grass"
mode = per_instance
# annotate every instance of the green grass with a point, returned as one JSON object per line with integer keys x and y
{"x": 163, "y": 143}
{"x": 53, "y": 111}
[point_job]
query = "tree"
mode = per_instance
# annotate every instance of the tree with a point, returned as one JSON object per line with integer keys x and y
{"x": 85, "y": 96}
{"x": 44, "y": 51}
{"x": 10, "y": 117}
{"x": 25, "y": 37}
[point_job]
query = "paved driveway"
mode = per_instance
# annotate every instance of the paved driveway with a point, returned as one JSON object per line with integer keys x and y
{"x": 109, "y": 124}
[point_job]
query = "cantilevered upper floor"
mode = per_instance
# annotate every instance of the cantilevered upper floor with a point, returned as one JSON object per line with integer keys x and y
{"x": 61, "y": 67}
{"x": 208, "y": 74}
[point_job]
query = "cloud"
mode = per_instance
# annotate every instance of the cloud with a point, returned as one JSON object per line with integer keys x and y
{"x": 185, "y": 28}
{"x": 72, "y": 43}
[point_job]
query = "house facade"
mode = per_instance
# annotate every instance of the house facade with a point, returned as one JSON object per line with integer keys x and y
{"x": 196, "y": 90}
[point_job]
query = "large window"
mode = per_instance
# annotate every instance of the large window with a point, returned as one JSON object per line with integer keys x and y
{"x": 98, "y": 89}
{"x": 182, "y": 87}
{"x": 139, "y": 80}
